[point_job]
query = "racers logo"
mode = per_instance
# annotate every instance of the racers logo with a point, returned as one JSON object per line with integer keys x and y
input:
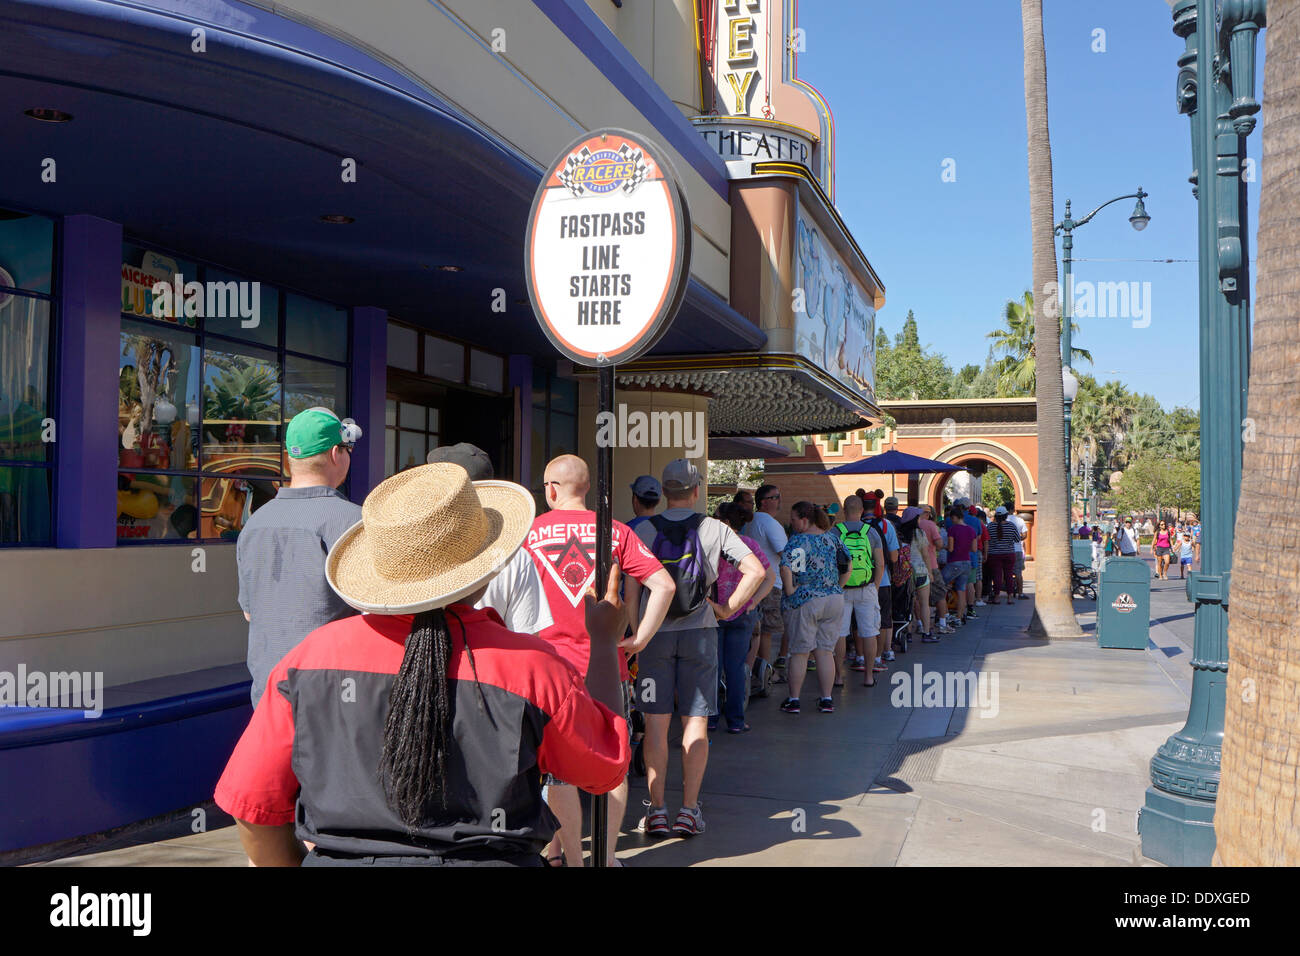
{"x": 604, "y": 170}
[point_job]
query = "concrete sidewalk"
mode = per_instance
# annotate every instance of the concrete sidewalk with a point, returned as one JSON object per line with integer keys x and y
{"x": 1051, "y": 772}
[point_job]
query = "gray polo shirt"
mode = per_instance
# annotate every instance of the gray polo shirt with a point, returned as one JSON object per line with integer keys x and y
{"x": 282, "y": 587}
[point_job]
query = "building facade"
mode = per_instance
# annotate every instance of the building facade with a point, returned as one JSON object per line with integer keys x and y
{"x": 214, "y": 215}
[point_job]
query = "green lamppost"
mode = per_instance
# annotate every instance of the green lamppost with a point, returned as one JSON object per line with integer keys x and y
{"x": 1216, "y": 88}
{"x": 1065, "y": 228}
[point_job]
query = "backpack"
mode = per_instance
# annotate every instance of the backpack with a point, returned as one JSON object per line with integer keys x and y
{"x": 901, "y": 569}
{"x": 677, "y": 546}
{"x": 859, "y": 548}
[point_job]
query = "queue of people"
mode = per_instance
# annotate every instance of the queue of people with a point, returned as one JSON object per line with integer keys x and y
{"x": 421, "y": 664}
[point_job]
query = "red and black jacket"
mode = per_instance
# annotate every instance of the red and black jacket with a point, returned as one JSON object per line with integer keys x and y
{"x": 311, "y": 753}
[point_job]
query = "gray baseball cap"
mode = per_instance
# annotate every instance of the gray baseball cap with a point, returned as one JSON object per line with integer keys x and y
{"x": 470, "y": 457}
{"x": 680, "y": 475}
{"x": 647, "y": 486}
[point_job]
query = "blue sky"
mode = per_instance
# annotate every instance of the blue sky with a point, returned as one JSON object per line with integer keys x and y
{"x": 913, "y": 84}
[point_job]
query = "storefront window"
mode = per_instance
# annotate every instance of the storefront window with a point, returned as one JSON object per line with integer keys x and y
{"x": 555, "y": 423}
{"x": 316, "y": 328}
{"x": 444, "y": 359}
{"x": 412, "y": 432}
{"x": 27, "y": 438}
{"x": 203, "y": 399}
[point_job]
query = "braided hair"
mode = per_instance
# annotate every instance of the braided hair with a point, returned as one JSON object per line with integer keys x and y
{"x": 417, "y": 734}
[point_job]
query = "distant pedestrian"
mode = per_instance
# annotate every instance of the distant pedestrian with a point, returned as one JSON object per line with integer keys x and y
{"x": 282, "y": 548}
{"x": 1002, "y": 553}
{"x": 1186, "y": 550}
{"x": 1162, "y": 548}
{"x": 678, "y": 670}
{"x": 1127, "y": 539}
{"x": 814, "y": 596}
{"x": 771, "y": 537}
{"x": 735, "y": 630}
{"x": 645, "y": 499}
{"x": 562, "y": 544}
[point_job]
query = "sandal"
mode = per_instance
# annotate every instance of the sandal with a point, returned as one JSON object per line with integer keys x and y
{"x": 551, "y": 861}
{"x": 871, "y": 684}
{"x": 739, "y": 729}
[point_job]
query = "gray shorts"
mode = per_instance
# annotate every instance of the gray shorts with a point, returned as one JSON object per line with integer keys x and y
{"x": 679, "y": 664}
{"x": 816, "y": 624}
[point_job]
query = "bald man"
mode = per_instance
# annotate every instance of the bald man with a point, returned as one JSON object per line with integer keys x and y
{"x": 562, "y": 544}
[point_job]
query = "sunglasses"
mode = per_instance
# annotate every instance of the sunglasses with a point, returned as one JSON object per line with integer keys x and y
{"x": 771, "y": 498}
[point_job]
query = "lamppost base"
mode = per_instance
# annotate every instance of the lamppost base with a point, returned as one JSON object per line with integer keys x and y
{"x": 1175, "y": 830}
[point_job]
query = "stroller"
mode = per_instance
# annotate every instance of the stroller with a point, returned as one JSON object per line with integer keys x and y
{"x": 902, "y": 586}
{"x": 1083, "y": 582}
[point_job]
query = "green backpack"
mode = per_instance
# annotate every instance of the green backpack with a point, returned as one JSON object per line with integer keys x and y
{"x": 858, "y": 544}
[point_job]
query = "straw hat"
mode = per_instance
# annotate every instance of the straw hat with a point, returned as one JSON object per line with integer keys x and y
{"x": 427, "y": 537}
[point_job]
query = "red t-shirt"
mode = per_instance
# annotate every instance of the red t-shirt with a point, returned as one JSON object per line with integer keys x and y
{"x": 563, "y": 546}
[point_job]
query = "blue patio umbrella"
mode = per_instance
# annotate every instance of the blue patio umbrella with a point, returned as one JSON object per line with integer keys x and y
{"x": 892, "y": 463}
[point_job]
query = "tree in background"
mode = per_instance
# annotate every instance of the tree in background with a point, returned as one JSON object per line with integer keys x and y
{"x": 1053, "y": 605}
{"x": 738, "y": 472}
{"x": 907, "y": 371}
{"x": 1257, "y": 813}
{"x": 1015, "y": 340}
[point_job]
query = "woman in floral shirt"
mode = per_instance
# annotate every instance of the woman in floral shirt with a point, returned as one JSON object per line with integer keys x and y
{"x": 735, "y": 632}
{"x": 814, "y": 600}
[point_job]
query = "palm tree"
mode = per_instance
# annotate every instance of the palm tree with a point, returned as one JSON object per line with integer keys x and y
{"x": 1016, "y": 343}
{"x": 1053, "y": 607}
{"x": 1257, "y": 818}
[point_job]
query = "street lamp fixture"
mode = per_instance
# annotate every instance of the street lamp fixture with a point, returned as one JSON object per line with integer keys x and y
{"x": 1069, "y": 383}
{"x": 1139, "y": 219}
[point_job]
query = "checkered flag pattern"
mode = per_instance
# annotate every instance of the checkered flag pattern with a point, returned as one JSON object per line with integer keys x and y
{"x": 639, "y": 173}
{"x": 566, "y": 174}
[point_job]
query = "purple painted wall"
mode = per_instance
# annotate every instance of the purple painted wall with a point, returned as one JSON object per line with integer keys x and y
{"x": 369, "y": 385}
{"x": 90, "y": 306}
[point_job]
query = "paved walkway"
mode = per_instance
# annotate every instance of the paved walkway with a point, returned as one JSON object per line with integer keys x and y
{"x": 1050, "y": 772}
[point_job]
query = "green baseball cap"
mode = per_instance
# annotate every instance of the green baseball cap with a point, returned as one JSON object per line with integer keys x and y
{"x": 317, "y": 430}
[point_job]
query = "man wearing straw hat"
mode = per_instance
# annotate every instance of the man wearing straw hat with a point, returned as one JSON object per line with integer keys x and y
{"x": 459, "y": 716}
{"x": 281, "y": 549}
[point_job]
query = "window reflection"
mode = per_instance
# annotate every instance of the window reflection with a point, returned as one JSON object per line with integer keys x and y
{"x": 157, "y": 398}
{"x": 241, "y": 412}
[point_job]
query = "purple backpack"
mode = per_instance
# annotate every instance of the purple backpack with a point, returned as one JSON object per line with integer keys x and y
{"x": 677, "y": 546}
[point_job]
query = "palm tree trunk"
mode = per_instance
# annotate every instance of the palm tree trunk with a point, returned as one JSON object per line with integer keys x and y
{"x": 1257, "y": 820}
{"x": 1053, "y": 607}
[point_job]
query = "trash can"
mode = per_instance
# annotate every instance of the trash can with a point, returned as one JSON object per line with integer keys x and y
{"x": 1081, "y": 552}
{"x": 1124, "y": 604}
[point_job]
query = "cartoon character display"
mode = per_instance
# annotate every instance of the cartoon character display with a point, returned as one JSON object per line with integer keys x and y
{"x": 836, "y": 329}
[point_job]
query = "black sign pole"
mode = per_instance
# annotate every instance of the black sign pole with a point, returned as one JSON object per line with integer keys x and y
{"x": 604, "y": 537}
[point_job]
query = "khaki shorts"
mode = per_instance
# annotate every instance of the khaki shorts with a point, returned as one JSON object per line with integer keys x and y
{"x": 772, "y": 621}
{"x": 815, "y": 624}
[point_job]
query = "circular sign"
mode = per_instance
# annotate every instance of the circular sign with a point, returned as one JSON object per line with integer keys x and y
{"x": 5, "y": 279}
{"x": 608, "y": 248}
{"x": 1124, "y": 603}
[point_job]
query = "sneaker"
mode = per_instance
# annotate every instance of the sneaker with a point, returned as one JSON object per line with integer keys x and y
{"x": 929, "y": 639}
{"x": 859, "y": 664}
{"x": 826, "y": 705}
{"x": 690, "y": 822}
{"x": 812, "y": 664}
{"x": 887, "y": 657}
{"x": 1022, "y": 597}
{"x": 655, "y": 821}
{"x": 979, "y": 604}
{"x": 790, "y": 705}
{"x": 780, "y": 663}
{"x": 971, "y": 615}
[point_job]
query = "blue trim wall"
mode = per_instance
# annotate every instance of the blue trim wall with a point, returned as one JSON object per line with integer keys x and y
{"x": 588, "y": 33}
